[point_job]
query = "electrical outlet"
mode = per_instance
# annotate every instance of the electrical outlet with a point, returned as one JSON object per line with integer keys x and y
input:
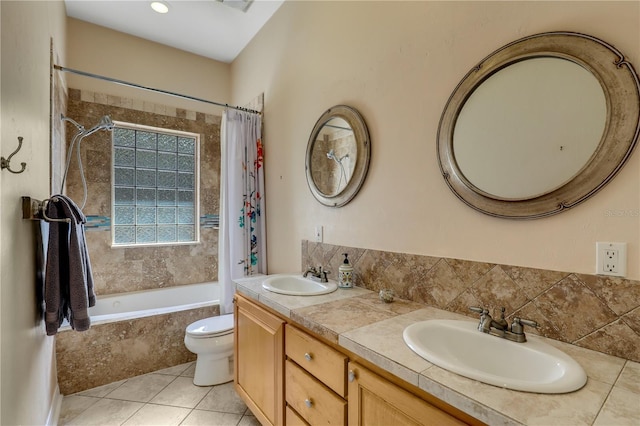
{"x": 319, "y": 234}
{"x": 611, "y": 259}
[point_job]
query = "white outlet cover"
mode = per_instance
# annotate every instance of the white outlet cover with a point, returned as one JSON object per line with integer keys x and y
{"x": 620, "y": 267}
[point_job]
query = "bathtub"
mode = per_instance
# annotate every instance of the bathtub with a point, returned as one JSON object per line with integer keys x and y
{"x": 132, "y": 334}
{"x": 139, "y": 304}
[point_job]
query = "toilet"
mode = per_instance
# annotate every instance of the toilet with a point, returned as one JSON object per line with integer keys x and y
{"x": 211, "y": 339}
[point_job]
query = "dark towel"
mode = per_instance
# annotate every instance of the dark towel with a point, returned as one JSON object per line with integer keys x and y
{"x": 68, "y": 281}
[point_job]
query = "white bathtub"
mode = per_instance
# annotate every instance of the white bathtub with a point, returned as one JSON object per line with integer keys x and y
{"x": 138, "y": 304}
{"x": 121, "y": 322}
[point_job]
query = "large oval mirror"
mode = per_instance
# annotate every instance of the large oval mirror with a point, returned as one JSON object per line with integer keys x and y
{"x": 338, "y": 154}
{"x": 539, "y": 125}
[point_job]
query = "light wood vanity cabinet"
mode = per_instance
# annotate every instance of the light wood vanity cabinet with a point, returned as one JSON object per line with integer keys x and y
{"x": 259, "y": 360}
{"x": 286, "y": 376}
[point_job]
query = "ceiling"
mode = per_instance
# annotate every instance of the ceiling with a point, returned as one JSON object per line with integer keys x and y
{"x": 211, "y": 28}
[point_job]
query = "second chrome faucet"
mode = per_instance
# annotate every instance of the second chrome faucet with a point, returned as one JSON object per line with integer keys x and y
{"x": 319, "y": 274}
{"x": 500, "y": 327}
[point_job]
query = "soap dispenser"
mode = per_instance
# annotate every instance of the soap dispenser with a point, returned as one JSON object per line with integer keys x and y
{"x": 345, "y": 273}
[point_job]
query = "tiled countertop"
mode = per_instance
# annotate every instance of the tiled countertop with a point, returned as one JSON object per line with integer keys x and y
{"x": 358, "y": 321}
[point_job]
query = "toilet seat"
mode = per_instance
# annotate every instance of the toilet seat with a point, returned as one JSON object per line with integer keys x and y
{"x": 211, "y": 327}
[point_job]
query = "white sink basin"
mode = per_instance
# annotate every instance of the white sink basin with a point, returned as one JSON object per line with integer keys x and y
{"x": 297, "y": 285}
{"x": 532, "y": 366}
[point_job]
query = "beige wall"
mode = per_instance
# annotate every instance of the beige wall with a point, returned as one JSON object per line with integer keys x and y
{"x": 116, "y": 55}
{"x": 399, "y": 62}
{"x": 27, "y": 363}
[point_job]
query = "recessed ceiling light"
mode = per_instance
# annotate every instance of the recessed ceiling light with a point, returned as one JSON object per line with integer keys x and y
{"x": 160, "y": 7}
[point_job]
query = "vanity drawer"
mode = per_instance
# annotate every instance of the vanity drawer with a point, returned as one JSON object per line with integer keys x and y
{"x": 322, "y": 361}
{"x": 316, "y": 404}
{"x": 291, "y": 418}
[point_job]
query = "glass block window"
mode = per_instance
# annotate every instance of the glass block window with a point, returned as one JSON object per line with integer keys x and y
{"x": 155, "y": 186}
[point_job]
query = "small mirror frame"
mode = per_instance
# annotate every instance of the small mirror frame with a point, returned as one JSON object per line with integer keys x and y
{"x": 361, "y": 134}
{"x": 621, "y": 87}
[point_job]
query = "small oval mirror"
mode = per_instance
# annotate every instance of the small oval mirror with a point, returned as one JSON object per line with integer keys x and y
{"x": 338, "y": 154}
{"x": 333, "y": 157}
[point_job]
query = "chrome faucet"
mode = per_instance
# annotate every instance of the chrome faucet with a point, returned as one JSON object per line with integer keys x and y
{"x": 500, "y": 327}
{"x": 318, "y": 274}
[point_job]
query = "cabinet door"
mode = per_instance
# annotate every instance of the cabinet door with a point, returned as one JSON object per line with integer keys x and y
{"x": 259, "y": 361}
{"x": 375, "y": 401}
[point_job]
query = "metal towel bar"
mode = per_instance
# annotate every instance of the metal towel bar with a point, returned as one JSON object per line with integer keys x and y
{"x": 33, "y": 209}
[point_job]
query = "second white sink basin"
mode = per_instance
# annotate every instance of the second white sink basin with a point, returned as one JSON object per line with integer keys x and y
{"x": 297, "y": 285}
{"x": 532, "y": 366}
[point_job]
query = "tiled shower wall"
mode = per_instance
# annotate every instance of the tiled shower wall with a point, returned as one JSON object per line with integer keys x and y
{"x": 117, "y": 269}
{"x": 596, "y": 312}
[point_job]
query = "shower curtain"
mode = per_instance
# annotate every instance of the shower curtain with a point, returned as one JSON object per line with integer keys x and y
{"x": 242, "y": 247}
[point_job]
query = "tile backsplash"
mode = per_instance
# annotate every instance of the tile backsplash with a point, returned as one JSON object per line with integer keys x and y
{"x": 596, "y": 312}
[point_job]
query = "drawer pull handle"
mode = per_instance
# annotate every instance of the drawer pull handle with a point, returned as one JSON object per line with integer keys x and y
{"x": 308, "y": 356}
{"x": 352, "y": 376}
{"x": 308, "y": 402}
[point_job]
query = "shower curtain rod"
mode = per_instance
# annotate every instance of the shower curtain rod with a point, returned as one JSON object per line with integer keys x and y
{"x": 151, "y": 89}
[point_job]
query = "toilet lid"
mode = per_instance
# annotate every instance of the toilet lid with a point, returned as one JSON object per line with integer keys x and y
{"x": 210, "y": 327}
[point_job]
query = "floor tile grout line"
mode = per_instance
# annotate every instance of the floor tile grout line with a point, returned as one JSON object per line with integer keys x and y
{"x": 204, "y": 396}
{"x": 186, "y": 417}
{"x": 166, "y": 386}
{"x": 97, "y": 398}
{"x": 132, "y": 414}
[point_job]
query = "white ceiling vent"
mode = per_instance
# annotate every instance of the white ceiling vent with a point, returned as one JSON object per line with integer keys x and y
{"x": 241, "y": 5}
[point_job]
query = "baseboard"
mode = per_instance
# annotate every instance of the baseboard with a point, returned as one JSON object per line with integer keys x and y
{"x": 54, "y": 410}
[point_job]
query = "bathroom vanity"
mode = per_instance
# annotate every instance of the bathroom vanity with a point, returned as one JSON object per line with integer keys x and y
{"x": 360, "y": 338}
{"x": 315, "y": 382}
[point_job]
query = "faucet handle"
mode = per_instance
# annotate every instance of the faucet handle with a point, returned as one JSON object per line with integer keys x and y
{"x": 481, "y": 311}
{"x": 518, "y": 323}
{"x": 530, "y": 323}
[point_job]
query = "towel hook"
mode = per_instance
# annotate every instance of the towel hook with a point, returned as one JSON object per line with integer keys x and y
{"x": 33, "y": 209}
{"x": 44, "y": 214}
{"x": 5, "y": 162}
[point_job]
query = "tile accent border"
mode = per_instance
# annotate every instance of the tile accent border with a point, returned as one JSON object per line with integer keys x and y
{"x": 143, "y": 106}
{"x": 596, "y": 312}
{"x": 103, "y": 223}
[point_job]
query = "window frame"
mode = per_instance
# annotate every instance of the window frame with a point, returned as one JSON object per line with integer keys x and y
{"x": 196, "y": 187}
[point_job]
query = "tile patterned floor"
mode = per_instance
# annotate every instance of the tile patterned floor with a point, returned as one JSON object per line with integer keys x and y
{"x": 165, "y": 397}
